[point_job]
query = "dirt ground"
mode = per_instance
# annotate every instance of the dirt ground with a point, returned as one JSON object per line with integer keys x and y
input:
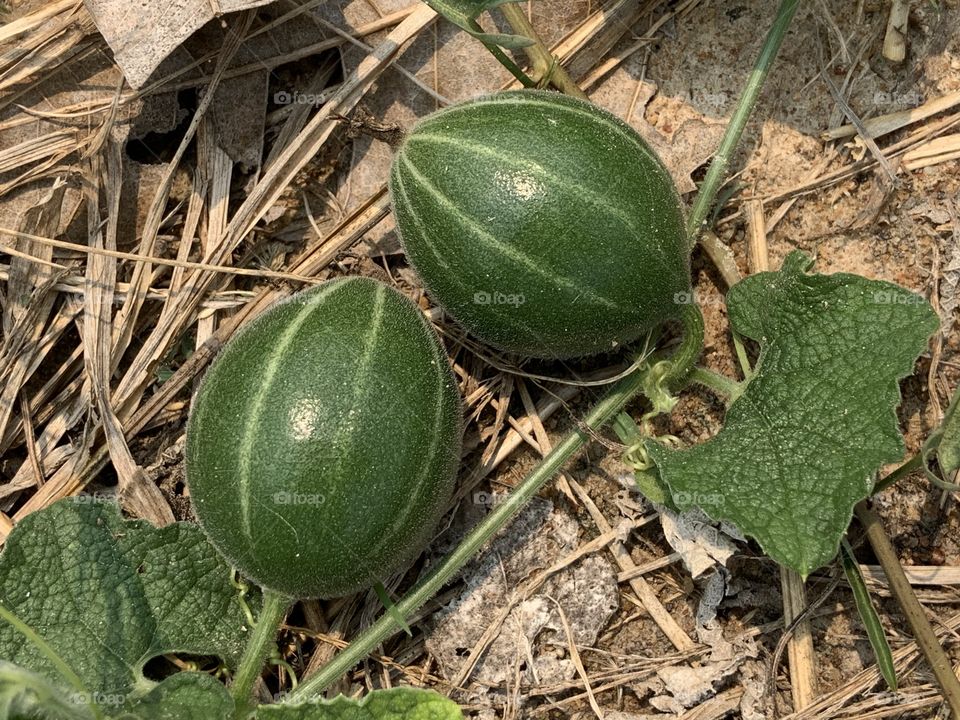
{"x": 509, "y": 640}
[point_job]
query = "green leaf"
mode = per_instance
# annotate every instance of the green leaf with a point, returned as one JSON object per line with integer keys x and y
{"x": 816, "y": 420}
{"x": 394, "y": 704}
{"x": 464, "y": 14}
{"x": 868, "y": 614}
{"x": 184, "y": 696}
{"x": 948, "y": 452}
{"x": 25, "y": 694}
{"x": 87, "y": 598}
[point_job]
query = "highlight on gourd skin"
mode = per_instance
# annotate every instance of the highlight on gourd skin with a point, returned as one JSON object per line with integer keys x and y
{"x": 549, "y": 204}
{"x": 287, "y": 464}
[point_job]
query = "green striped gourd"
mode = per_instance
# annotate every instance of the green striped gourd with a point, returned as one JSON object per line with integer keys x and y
{"x": 324, "y": 441}
{"x": 543, "y": 224}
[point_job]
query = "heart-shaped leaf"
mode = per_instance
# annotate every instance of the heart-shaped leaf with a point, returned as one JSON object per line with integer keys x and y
{"x": 87, "y": 598}
{"x": 800, "y": 446}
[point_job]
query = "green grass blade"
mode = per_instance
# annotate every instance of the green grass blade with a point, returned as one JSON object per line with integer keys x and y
{"x": 868, "y": 614}
{"x": 391, "y": 608}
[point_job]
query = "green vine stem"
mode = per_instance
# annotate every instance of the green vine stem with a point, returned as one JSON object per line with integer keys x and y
{"x": 684, "y": 360}
{"x": 729, "y": 390}
{"x": 717, "y": 172}
{"x": 912, "y": 610}
{"x": 391, "y": 609}
{"x": 605, "y": 409}
{"x": 503, "y": 58}
{"x": 914, "y": 463}
{"x": 258, "y": 648}
{"x": 545, "y": 65}
{"x": 917, "y": 462}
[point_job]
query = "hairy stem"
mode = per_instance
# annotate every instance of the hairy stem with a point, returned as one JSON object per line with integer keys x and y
{"x": 717, "y": 172}
{"x": 684, "y": 360}
{"x": 914, "y": 463}
{"x": 605, "y": 409}
{"x": 726, "y": 388}
{"x": 261, "y": 640}
{"x": 545, "y": 65}
{"x": 503, "y": 58}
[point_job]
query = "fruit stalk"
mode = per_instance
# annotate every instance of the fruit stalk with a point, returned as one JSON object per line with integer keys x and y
{"x": 729, "y": 390}
{"x": 685, "y": 359}
{"x": 258, "y": 647}
{"x": 604, "y": 411}
{"x": 914, "y": 463}
{"x": 717, "y": 172}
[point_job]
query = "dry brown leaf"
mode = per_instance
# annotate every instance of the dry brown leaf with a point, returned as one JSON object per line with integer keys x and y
{"x": 142, "y": 36}
{"x": 238, "y": 112}
{"x": 682, "y": 137}
{"x": 30, "y": 300}
{"x": 45, "y": 124}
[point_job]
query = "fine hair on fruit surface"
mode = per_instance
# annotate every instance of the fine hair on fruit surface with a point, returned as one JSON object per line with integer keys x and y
{"x": 543, "y": 224}
{"x": 323, "y": 444}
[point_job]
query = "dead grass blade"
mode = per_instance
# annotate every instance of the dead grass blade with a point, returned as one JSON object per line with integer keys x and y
{"x": 134, "y": 380}
{"x": 30, "y": 300}
{"x": 837, "y": 704}
{"x": 139, "y": 497}
{"x": 885, "y": 124}
{"x": 31, "y": 22}
{"x": 53, "y": 43}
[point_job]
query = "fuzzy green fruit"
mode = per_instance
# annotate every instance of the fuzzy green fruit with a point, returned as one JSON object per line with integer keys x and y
{"x": 543, "y": 224}
{"x": 324, "y": 441}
